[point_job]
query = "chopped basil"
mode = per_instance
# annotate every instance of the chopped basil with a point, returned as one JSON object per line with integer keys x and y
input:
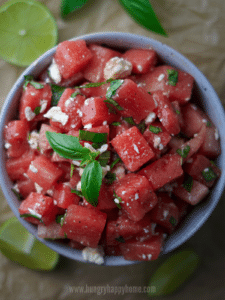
{"x": 120, "y": 239}
{"x": 65, "y": 235}
{"x": 57, "y": 92}
{"x": 94, "y": 84}
{"x": 114, "y": 103}
{"x": 111, "y": 110}
{"x": 141, "y": 126}
{"x": 208, "y": 124}
{"x": 19, "y": 197}
{"x": 60, "y": 219}
{"x": 188, "y": 184}
{"x": 114, "y": 85}
{"x": 172, "y": 77}
{"x": 149, "y": 93}
{"x": 129, "y": 120}
{"x": 177, "y": 112}
{"x": 155, "y": 129}
{"x": 37, "y": 110}
{"x": 209, "y": 174}
{"x": 71, "y": 170}
{"x": 31, "y": 215}
{"x": 116, "y": 123}
{"x": 173, "y": 221}
{"x": 104, "y": 158}
{"x": 73, "y": 95}
{"x": 114, "y": 163}
{"x": 183, "y": 152}
{"x": 30, "y": 79}
{"x": 78, "y": 193}
{"x": 95, "y": 137}
{"x": 117, "y": 200}
{"x": 110, "y": 177}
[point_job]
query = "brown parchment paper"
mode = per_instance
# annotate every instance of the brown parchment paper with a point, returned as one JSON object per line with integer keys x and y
{"x": 196, "y": 29}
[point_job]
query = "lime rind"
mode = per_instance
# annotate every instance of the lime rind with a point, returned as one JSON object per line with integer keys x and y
{"x": 24, "y": 39}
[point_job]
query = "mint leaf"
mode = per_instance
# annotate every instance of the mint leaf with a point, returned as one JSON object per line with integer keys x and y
{"x": 172, "y": 77}
{"x": 67, "y": 146}
{"x": 142, "y": 12}
{"x": 57, "y": 92}
{"x": 91, "y": 181}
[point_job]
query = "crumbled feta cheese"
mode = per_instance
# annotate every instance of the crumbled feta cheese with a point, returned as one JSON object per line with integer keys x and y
{"x": 161, "y": 76}
{"x": 50, "y": 192}
{"x": 136, "y": 196}
{"x": 116, "y": 200}
{"x": 139, "y": 67}
{"x": 204, "y": 121}
{"x": 123, "y": 192}
{"x": 43, "y": 104}
{"x": 150, "y": 118}
{"x": 94, "y": 255}
{"x": 117, "y": 67}
{"x": 87, "y": 145}
{"x": 54, "y": 72}
{"x": 104, "y": 123}
{"x": 103, "y": 148}
{"x": 81, "y": 171}
{"x": 216, "y": 134}
{"x": 143, "y": 256}
{"x": 157, "y": 143}
{"x": 206, "y": 169}
{"x": 38, "y": 188}
{"x": 55, "y": 113}
{"x": 34, "y": 213}
{"x": 80, "y": 113}
{"x": 88, "y": 126}
{"x": 76, "y": 163}
{"x": 136, "y": 148}
{"x": 33, "y": 169}
{"x": 29, "y": 114}
{"x": 149, "y": 256}
{"x": 79, "y": 186}
{"x": 16, "y": 188}
{"x": 34, "y": 140}
{"x": 7, "y": 145}
{"x": 86, "y": 102}
{"x": 55, "y": 202}
{"x": 165, "y": 213}
{"x": 68, "y": 101}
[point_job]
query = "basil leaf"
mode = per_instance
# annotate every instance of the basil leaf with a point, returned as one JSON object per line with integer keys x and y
{"x": 89, "y": 157}
{"x": 57, "y": 92}
{"x": 75, "y": 94}
{"x": 114, "y": 85}
{"x": 155, "y": 129}
{"x": 183, "y": 152}
{"x": 173, "y": 221}
{"x": 19, "y": 197}
{"x": 37, "y": 110}
{"x": 91, "y": 181}
{"x": 209, "y": 174}
{"x": 31, "y": 215}
{"x": 110, "y": 177}
{"x": 78, "y": 193}
{"x": 111, "y": 110}
{"x": 60, "y": 219}
{"x": 95, "y": 137}
{"x": 67, "y": 146}
{"x": 117, "y": 200}
{"x": 141, "y": 126}
{"x": 104, "y": 158}
{"x": 142, "y": 12}
{"x": 120, "y": 239}
{"x": 129, "y": 120}
{"x": 177, "y": 112}
{"x": 114, "y": 163}
{"x": 71, "y": 170}
{"x": 113, "y": 102}
{"x": 116, "y": 123}
{"x": 172, "y": 77}
{"x": 30, "y": 79}
{"x": 188, "y": 184}
{"x": 68, "y": 6}
{"x": 94, "y": 84}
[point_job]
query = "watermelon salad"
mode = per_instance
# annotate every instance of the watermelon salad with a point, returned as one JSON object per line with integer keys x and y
{"x": 109, "y": 153}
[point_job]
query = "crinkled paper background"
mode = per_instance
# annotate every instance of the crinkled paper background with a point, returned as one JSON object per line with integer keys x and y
{"x": 196, "y": 29}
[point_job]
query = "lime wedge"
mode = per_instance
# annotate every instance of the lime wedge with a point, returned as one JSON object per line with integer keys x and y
{"x": 27, "y": 30}
{"x": 17, "y": 244}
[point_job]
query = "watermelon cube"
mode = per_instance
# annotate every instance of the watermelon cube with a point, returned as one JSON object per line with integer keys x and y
{"x": 25, "y": 187}
{"x": 84, "y": 225}
{"x": 71, "y": 57}
{"x": 211, "y": 145}
{"x": 63, "y": 196}
{"x": 51, "y": 231}
{"x": 132, "y": 148}
{"x": 43, "y": 141}
{"x": 137, "y": 196}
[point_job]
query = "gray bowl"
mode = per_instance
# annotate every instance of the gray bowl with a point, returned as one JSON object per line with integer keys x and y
{"x": 207, "y": 99}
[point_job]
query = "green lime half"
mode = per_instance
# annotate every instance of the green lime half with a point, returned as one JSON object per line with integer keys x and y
{"x": 27, "y": 30}
{"x": 176, "y": 270}
{"x": 21, "y": 246}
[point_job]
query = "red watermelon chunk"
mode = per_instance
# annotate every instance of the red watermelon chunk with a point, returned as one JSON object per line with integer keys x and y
{"x": 197, "y": 192}
{"x": 63, "y": 196}
{"x": 16, "y": 131}
{"x": 99, "y": 91}
{"x": 132, "y": 148}
{"x": 43, "y": 141}
{"x": 44, "y": 172}
{"x": 34, "y": 102}
{"x": 144, "y": 251}
{"x": 71, "y": 57}
{"x": 211, "y": 145}
{"x": 137, "y": 196}
{"x": 51, "y": 231}
{"x": 142, "y": 60}
{"x": 25, "y": 187}
{"x": 134, "y": 101}
{"x": 84, "y": 225}
{"x": 40, "y": 206}
{"x": 94, "y": 71}
{"x": 165, "y": 213}
{"x": 163, "y": 170}
{"x": 112, "y": 250}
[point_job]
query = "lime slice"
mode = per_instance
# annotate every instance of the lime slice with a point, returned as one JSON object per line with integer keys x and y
{"x": 176, "y": 270}
{"x": 17, "y": 244}
{"x": 27, "y": 30}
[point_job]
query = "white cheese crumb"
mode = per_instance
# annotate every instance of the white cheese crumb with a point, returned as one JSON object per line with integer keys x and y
{"x": 103, "y": 148}
{"x": 150, "y": 118}
{"x": 50, "y": 192}
{"x": 149, "y": 256}
{"x": 204, "y": 121}
{"x": 165, "y": 213}
{"x": 87, "y": 145}
{"x": 123, "y": 192}
{"x": 139, "y": 67}
{"x": 33, "y": 169}
{"x": 34, "y": 213}
{"x": 86, "y": 102}
{"x": 7, "y": 145}
{"x": 136, "y": 196}
{"x": 55, "y": 202}
{"x": 157, "y": 143}
{"x": 54, "y": 72}
{"x": 80, "y": 113}
{"x": 116, "y": 200}
{"x": 81, "y": 171}
{"x": 94, "y": 255}
{"x": 55, "y": 113}
{"x": 68, "y": 101}
{"x": 34, "y": 139}
{"x": 161, "y": 76}
{"x": 16, "y": 188}
{"x": 88, "y": 126}
{"x": 76, "y": 163}
{"x": 43, "y": 104}
{"x": 117, "y": 67}
{"x": 38, "y": 188}
{"x": 206, "y": 169}
{"x": 216, "y": 134}
{"x": 79, "y": 186}
{"x": 104, "y": 123}
{"x": 143, "y": 256}
{"x": 136, "y": 148}
{"x": 29, "y": 114}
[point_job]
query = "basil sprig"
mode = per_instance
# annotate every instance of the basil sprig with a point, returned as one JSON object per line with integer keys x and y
{"x": 30, "y": 79}
{"x": 69, "y": 147}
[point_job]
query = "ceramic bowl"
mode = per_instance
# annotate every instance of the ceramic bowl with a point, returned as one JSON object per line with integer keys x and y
{"x": 207, "y": 99}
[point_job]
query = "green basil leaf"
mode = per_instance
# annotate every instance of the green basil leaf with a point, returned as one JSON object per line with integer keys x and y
{"x": 91, "y": 181}
{"x": 183, "y": 152}
{"x": 120, "y": 239}
{"x": 95, "y": 137}
{"x": 114, "y": 163}
{"x": 30, "y": 79}
{"x": 155, "y": 129}
{"x": 114, "y": 85}
{"x": 142, "y": 12}
{"x": 141, "y": 126}
{"x": 208, "y": 124}
{"x": 67, "y": 146}
{"x": 19, "y": 197}
{"x": 111, "y": 110}
{"x": 129, "y": 120}
{"x": 177, "y": 112}
{"x": 57, "y": 92}
{"x": 173, "y": 221}
{"x": 104, "y": 158}
{"x": 89, "y": 157}
{"x": 78, "y": 193}
{"x": 37, "y": 110}
{"x": 116, "y": 123}
{"x": 209, "y": 174}
{"x": 71, "y": 170}
{"x": 31, "y": 215}
{"x": 110, "y": 177}
{"x": 75, "y": 94}
{"x": 60, "y": 219}
{"x": 94, "y": 84}
{"x": 188, "y": 183}
{"x": 113, "y": 102}
{"x": 69, "y": 6}
{"x": 172, "y": 77}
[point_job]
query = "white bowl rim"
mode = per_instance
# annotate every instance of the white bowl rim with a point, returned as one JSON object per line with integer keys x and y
{"x": 200, "y": 213}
